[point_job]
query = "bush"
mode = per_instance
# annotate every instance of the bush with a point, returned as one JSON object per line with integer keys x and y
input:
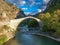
{"x": 5, "y": 27}
{"x": 57, "y": 33}
{"x": 2, "y": 39}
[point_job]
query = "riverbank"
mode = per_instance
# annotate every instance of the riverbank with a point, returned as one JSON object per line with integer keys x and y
{"x": 42, "y": 34}
{"x": 30, "y": 39}
{"x": 46, "y": 35}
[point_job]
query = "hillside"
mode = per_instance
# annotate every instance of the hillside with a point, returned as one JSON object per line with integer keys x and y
{"x": 7, "y": 10}
{"x": 51, "y": 19}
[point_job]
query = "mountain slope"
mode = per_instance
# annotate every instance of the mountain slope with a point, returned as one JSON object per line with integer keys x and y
{"x": 8, "y": 9}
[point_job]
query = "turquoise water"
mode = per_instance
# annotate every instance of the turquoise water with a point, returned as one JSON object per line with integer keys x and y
{"x": 28, "y": 39}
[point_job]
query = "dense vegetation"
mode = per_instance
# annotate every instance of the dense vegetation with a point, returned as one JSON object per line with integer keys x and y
{"x": 51, "y": 19}
{"x": 2, "y": 39}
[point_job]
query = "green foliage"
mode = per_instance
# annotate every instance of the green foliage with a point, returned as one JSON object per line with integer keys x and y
{"x": 5, "y": 27}
{"x": 57, "y": 33}
{"x": 2, "y": 39}
{"x": 51, "y": 22}
{"x": 51, "y": 19}
{"x": 33, "y": 23}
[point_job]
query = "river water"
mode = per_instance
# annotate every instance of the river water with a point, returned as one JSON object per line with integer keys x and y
{"x": 31, "y": 39}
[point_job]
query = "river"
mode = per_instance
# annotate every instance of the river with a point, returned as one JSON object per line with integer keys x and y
{"x": 31, "y": 39}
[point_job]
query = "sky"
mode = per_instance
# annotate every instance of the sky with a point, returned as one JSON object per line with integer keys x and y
{"x": 30, "y": 7}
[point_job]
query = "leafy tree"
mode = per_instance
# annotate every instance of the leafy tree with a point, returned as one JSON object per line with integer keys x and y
{"x": 51, "y": 19}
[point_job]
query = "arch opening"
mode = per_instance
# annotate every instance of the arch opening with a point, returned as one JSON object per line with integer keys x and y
{"x": 29, "y": 23}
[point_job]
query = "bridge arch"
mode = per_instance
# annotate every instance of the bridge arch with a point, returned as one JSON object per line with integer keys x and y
{"x": 16, "y": 22}
{"x": 31, "y": 23}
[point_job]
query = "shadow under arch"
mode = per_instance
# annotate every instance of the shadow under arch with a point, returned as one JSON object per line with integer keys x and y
{"x": 29, "y": 22}
{"x": 36, "y": 21}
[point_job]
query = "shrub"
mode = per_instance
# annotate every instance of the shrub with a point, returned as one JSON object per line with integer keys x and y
{"x": 2, "y": 39}
{"x": 5, "y": 27}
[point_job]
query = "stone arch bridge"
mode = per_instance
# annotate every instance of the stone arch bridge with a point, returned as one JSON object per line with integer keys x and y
{"x": 15, "y": 22}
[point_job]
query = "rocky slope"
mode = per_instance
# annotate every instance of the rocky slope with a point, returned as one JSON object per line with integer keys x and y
{"x": 7, "y": 10}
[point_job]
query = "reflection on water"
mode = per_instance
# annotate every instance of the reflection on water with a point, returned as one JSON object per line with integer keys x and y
{"x": 27, "y": 39}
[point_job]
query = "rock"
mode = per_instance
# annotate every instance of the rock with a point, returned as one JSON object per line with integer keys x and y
{"x": 7, "y": 10}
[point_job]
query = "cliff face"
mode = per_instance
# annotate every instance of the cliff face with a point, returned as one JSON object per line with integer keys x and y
{"x": 7, "y": 11}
